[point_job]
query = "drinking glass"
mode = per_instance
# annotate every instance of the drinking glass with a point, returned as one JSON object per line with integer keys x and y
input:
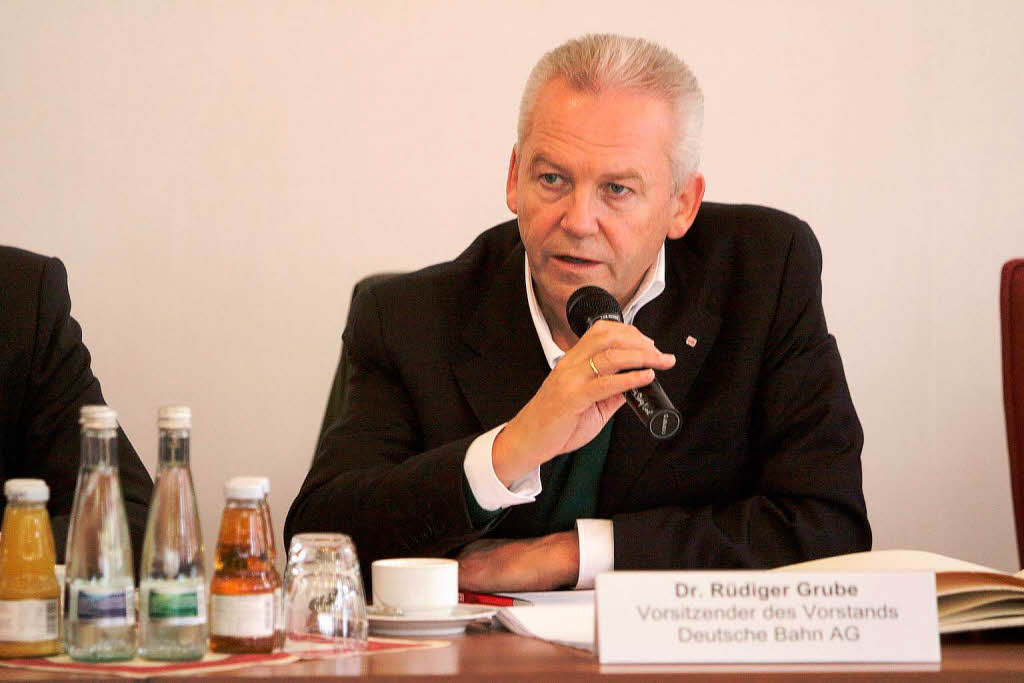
{"x": 324, "y": 598}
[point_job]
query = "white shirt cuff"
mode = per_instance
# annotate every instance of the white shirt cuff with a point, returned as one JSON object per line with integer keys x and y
{"x": 484, "y": 484}
{"x": 597, "y": 549}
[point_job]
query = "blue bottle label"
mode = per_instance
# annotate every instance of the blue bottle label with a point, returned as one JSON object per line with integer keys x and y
{"x": 104, "y": 607}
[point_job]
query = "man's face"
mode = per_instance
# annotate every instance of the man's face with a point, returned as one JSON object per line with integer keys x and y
{"x": 593, "y": 189}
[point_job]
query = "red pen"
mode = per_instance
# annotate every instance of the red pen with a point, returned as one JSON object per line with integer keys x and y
{"x": 473, "y": 598}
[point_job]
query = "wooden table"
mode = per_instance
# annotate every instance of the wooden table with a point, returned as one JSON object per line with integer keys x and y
{"x": 481, "y": 655}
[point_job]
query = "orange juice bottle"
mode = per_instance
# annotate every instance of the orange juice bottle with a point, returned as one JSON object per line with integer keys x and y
{"x": 242, "y": 606}
{"x": 28, "y": 586}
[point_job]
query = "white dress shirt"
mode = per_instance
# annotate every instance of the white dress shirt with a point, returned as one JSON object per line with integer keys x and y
{"x": 596, "y": 540}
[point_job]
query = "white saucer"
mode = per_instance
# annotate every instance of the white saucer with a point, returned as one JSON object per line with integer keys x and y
{"x": 449, "y": 624}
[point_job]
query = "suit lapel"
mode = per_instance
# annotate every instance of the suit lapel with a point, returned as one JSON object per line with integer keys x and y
{"x": 502, "y": 364}
{"x": 680, "y": 321}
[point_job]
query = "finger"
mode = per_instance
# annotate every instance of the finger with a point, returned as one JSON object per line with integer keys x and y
{"x": 608, "y": 406}
{"x": 606, "y": 386}
{"x": 612, "y": 361}
{"x": 602, "y": 348}
{"x": 608, "y": 333}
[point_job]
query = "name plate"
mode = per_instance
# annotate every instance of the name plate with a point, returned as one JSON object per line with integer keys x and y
{"x": 764, "y": 617}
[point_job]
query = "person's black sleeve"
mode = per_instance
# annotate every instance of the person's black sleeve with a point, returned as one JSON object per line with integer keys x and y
{"x": 372, "y": 477}
{"x": 62, "y": 382}
{"x": 807, "y": 501}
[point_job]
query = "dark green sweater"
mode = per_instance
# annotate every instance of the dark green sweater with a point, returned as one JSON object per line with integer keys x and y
{"x": 569, "y": 494}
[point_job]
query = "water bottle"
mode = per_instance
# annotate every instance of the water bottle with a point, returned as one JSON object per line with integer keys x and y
{"x": 99, "y": 603}
{"x": 172, "y": 596}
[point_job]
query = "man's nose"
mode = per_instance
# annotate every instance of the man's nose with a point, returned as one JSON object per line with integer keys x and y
{"x": 580, "y": 217}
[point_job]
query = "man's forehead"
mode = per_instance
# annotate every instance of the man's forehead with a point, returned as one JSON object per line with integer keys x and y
{"x": 613, "y": 132}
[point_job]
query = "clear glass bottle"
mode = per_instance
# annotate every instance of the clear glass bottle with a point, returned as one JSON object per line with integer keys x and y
{"x": 99, "y": 602}
{"x": 172, "y": 596}
{"x": 29, "y": 620}
{"x": 242, "y": 618}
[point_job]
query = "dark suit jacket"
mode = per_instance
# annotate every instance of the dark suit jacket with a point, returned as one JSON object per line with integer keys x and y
{"x": 44, "y": 379}
{"x": 764, "y": 471}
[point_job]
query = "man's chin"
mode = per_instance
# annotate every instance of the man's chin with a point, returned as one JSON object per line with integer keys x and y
{"x": 556, "y": 296}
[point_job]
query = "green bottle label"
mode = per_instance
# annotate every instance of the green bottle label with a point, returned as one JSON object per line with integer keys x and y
{"x": 173, "y": 605}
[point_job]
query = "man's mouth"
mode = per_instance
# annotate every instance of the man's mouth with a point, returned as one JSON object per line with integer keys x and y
{"x": 575, "y": 260}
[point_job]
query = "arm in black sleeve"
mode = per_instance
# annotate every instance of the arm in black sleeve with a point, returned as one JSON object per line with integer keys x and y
{"x": 372, "y": 477}
{"x": 61, "y": 382}
{"x": 807, "y": 499}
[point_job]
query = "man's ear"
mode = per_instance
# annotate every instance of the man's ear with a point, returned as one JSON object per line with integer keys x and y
{"x": 688, "y": 199}
{"x": 511, "y": 194}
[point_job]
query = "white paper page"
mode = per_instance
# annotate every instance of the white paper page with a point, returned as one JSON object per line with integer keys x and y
{"x": 889, "y": 560}
{"x": 565, "y": 624}
{"x": 982, "y": 625}
{"x": 965, "y": 602}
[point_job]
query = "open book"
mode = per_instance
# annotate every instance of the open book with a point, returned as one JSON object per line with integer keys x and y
{"x": 971, "y": 597}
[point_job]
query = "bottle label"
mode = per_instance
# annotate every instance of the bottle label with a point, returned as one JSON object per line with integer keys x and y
{"x": 175, "y": 605}
{"x": 104, "y": 607}
{"x": 242, "y": 616}
{"x": 28, "y": 620}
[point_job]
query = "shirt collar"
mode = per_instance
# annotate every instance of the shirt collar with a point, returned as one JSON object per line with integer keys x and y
{"x": 652, "y": 285}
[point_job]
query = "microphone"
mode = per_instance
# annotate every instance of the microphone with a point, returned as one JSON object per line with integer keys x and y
{"x": 585, "y": 307}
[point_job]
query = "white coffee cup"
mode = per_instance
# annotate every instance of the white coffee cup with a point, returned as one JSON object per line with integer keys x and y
{"x": 415, "y": 586}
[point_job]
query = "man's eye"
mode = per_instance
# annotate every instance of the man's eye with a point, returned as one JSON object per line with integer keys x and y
{"x": 618, "y": 190}
{"x": 550, "y": 178}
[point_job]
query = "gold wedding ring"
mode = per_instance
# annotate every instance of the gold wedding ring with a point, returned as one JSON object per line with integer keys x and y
{"x": 594, "y": 367}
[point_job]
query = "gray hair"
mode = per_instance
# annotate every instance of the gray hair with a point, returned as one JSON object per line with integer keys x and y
{"x": 599, "y": 62}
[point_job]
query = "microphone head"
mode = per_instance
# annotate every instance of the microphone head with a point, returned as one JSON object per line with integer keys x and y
{"x": 589, "y": 304}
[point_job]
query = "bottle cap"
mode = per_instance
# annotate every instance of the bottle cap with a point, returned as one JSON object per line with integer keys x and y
{"x": 31, "y": 490}
{"x": 262, "y": 482}
{"x": 243, "y": 488}
{"x": 98, "y": 417}
{"x": 174, "y": 417}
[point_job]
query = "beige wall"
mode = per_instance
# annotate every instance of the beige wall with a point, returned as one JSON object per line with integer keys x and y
{"x": 217, "y": 175}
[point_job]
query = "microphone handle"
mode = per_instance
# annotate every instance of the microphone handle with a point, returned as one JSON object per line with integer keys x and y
{"x": 650, "y": 403}
{"x": 655, "y": 410}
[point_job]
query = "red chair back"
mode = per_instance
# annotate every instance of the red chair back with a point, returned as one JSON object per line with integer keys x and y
{"x": 1011, "y": 305}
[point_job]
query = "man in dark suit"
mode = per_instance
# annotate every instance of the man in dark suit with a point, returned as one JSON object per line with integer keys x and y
{"x": 477, "y": 423}
{"x": 45, "y": 378}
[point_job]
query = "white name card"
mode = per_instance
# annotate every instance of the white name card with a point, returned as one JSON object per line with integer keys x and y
{"x": 761, "y": 617}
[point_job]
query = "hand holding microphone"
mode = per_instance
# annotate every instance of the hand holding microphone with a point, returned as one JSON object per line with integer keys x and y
{"x": 585, "y": 307}
{"x": 592, "y": 381}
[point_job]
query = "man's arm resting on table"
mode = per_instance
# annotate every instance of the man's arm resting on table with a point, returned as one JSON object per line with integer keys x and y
{"x": 593, "y": 537}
